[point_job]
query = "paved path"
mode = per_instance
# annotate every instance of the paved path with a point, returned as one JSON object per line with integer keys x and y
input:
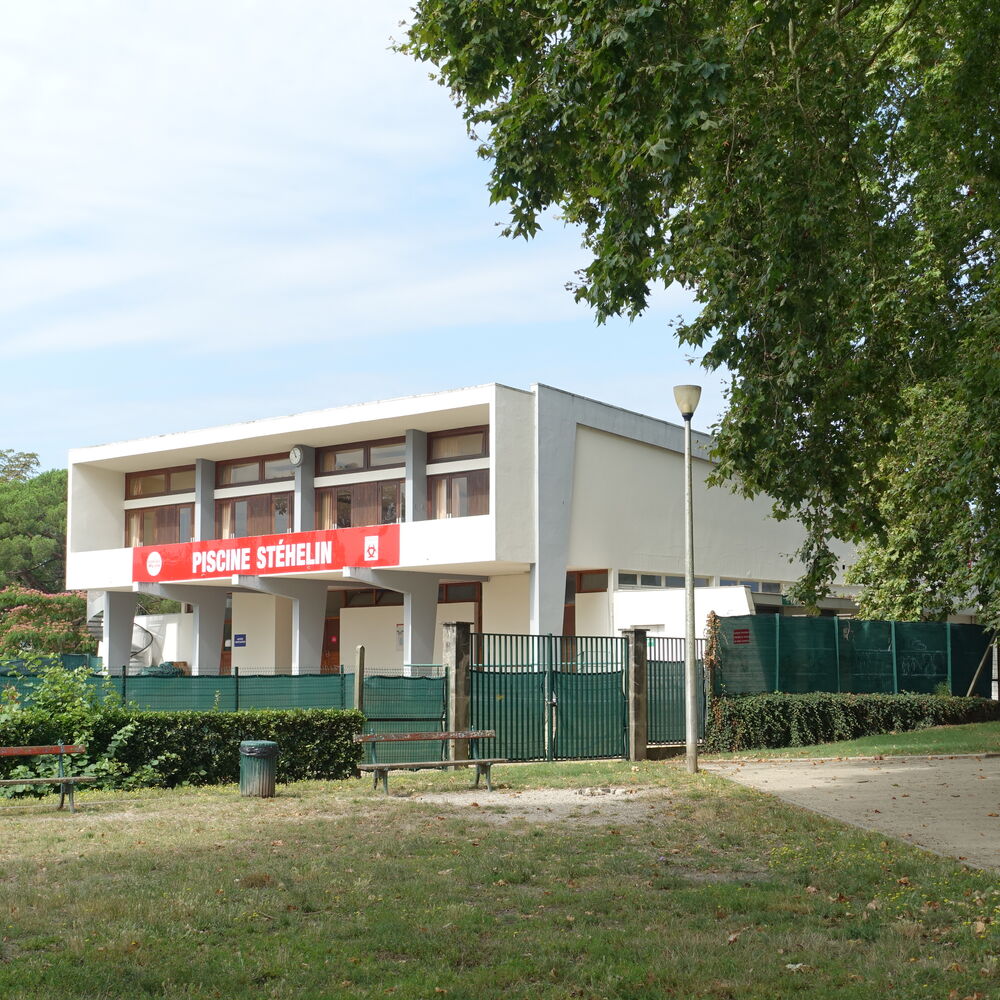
{"x": 950, "y": 805}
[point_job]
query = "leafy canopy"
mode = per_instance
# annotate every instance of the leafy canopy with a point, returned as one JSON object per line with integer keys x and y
{"x": 826, "y": 178}
{"x": 32, "y": 526}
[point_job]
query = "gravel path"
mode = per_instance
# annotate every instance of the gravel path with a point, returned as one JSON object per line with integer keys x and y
{"x": 949, "y": 805}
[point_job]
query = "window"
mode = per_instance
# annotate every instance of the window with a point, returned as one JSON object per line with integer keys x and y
{"x": 269, "y": 514}
{"x": 459, "y": 593}
{"x": 628, "y": 579}
{"x": 648, "y": 580}
{"x": 159, "y": 482}
{"x": 360, "y": 504}
{"x": 588, "y": 581}
{"x": 447, "y": 446}
{"x": 263, "y": 469}
{"x": 463, "y": 494}
{"x": 657, "y": 580}
{"x": 386, "y": 454}
{"x": 678, "y": 581}
{"x": 159, "y": 525}
{"x": 372, "y": 599}
{"x": 770, "y": 587}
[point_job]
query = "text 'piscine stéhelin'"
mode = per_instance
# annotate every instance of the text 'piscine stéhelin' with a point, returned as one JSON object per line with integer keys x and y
{"x": 281, "y": 555}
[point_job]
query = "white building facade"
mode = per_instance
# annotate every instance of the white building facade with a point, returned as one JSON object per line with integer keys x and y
{"x": 292, "y": 540}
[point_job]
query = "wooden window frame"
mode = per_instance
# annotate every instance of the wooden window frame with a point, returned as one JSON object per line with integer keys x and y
{"x": 222, "y": 501}
{"x": 175, "y": 509}
{"x": 579, "y": 574}
{"x": 365, "y": 446}
{"x": 457, "y": 432}
{"x": 434, "y": 480}
{"x": 260, "y": 480}
{"x": 130, "y": 477}
{"x": 378, "y": 484}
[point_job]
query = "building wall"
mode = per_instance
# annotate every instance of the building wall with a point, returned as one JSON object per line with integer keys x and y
{"x": 662, "y": 611}
{"x": 505, "y": 604}
{"x": 593, "y": 614}
{"x": 266, "y": 621}
{"x": 95, "y": 509}
{"x": 511, "y": 493}
{"x": 628, "y": 513}
{"x": 376, "y": 630}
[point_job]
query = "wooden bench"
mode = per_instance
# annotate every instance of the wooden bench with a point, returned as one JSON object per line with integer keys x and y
{"x": 66, "y": 782}
{"x": 482, "y": 764}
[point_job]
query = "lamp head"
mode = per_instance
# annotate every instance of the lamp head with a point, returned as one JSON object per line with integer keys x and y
{"x": 687, "y": 397}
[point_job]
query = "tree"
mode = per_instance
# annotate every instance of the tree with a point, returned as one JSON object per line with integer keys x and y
{"x": 17, "y": 466}
{"x": 33, "y": 623}
{"x": 826, "y": 178}
{"x": 33, "y": 531}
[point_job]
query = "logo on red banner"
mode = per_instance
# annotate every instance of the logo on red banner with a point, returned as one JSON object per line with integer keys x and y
{"x": 267, "y": 555}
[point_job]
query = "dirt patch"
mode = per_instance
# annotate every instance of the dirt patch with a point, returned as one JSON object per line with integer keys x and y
{"x": 948, "y": 805}
{"x": 594, "y": 806}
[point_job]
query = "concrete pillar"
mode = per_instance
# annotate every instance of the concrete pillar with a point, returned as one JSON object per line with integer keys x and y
{"x": 209, "y": 623}
{"x": 637, "y": 694}
{"x": 416, "y": 476}
{"x": 204, "y": 500}
{"x": 119, "y": 619}
{"x": 457, "y": 646}
{"x": 420, "y": 601}
{"x": 304, "y": 513}
{"x": 308, "y": 616}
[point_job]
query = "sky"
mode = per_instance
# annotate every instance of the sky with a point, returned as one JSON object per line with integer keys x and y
{"x": 216, "y": 212}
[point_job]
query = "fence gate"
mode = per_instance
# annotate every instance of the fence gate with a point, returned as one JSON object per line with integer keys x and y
{"x": 665, "y": 680}
{"x": 550, "y": 697}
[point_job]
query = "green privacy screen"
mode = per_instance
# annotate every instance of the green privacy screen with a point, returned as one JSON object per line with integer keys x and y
{"x": 759, "y": 653}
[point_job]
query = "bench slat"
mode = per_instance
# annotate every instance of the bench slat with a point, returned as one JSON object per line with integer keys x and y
{"x": 428, "y": 764}
{"x": 39, "y": 751}
{"x": 470, "y": 734}
{"x": 65, "y": 780}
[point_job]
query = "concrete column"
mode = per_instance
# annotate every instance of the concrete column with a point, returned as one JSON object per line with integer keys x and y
{"x": 416, "y": 476}
{"x": 637, "y": 694}
{"x": 419, "y": 592}
{"x": 204, "y": 500}
{"x": 304, "y": 514}
{"x": 209, "y": 623}
{"x": 420, "y": 601}
{"x": 308, "y": 616}
{"x": 119, "y": 619}
{"x": 457, "y": 645}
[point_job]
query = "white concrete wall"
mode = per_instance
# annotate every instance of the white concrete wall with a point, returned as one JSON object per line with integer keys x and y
{"x": 628, "y": 512}
{"x": 593, "y": 614}
{"x": 662, "y": 611}
{"x": 95, "y": 513}
{"x": 505, "y": 604}
{"x": 447, "y": 541}
{"x": 375, "y": 629}
{"x": 511, "y": 488}
{"x": 267, "y": 623}
{"x": 172, "y": 636}
{"x": 107, "y": 569}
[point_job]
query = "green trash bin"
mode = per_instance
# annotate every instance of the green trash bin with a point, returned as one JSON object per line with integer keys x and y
{"x": 258, "y": 761}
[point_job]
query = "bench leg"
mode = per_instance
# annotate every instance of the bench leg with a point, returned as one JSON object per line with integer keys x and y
{"x": 385, "y": 781}
{"x": 484, "y": 769}
{"x": 66, "y": 792}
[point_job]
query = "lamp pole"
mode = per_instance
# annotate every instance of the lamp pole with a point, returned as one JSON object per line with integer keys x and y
{"x": 687, "y": 397}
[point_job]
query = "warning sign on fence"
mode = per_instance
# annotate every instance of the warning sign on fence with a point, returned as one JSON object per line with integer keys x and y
{"x": 741, "y": 636}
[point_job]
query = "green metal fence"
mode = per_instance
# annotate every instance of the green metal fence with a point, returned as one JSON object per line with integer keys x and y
{"x": 396, "y": 701}
{"x": 549, "y": 697}
{"x": 759, "y": 653}
{"x": 665, "y": 689}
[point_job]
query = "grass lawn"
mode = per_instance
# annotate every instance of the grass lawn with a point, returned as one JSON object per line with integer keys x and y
{"x": 979, "y": 737}
{"x": 616, "y": 880}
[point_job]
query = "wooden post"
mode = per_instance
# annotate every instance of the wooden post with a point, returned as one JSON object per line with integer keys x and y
{"x": 457, "y": 647}
{"x": 359, "y": 678}
{"x": 637, "y": 687}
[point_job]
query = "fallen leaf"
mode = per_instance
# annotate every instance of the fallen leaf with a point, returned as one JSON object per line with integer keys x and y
{"x": 733, "y": 937}
{"x": 811, "y": 889}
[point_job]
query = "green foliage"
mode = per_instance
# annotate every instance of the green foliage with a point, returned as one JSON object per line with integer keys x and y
{"x": 764, "y": 721}
{"x": 825, "y": 178}
{"x": 33, "y": 531}
{"x": 32, "y": 623}
{"x": 17, "y": 466}
{"x": 129, "y": 749}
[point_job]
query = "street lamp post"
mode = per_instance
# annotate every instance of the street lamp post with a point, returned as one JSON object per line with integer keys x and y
{"x": 687, "y": 397}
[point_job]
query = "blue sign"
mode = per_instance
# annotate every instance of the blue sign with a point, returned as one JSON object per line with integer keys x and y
{"x": 240, "y": 639}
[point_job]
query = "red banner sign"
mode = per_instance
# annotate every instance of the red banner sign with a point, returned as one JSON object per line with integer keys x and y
{"x": 267, "y": 555}
{"x": 741, "y": 636}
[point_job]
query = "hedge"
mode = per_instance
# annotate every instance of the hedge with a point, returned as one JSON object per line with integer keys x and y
{"x": 130, "y": 749}
{"x": 770, "y": 721}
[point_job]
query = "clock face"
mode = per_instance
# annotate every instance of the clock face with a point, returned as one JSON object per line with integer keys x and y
{"x": 295, "y": 456}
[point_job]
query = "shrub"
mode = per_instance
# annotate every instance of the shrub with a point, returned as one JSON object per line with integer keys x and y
{"x": 128, "y": 749}
{"x": 767, "y": 721}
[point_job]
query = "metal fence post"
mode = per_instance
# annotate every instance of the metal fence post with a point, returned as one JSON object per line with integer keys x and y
{"x": 359, "y": 678}
{"x": 836, "y": 647}
{"x": 236, "y": 687}
{"x": 777, "y": 653}
{"x": 892, "y": 644}
{"x": 947, "y": 637}
{"x": 637, "y": 695}
{"x": 125, "y": 683}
